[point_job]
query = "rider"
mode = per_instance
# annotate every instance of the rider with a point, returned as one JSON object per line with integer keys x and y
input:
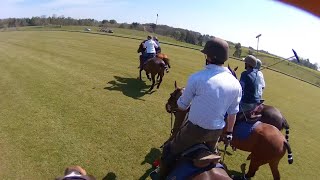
{"x": 158, "y": 49}
{"x": 150, "y": 46}
{"x": 212, "y": 92}
{"x": 262, "y": 83}
{"x": 249, "y": 81}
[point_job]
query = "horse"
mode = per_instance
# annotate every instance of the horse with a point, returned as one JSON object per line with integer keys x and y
{"x": 269, "y": 114}
{"x": 266, "y": 143}
{"x": 159, "y": 55}
{"x": 153, "y": 66}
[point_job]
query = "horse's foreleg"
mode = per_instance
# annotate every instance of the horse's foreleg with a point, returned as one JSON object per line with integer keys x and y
{"x": 161, "y": 76}
{"x": 153, "y": 81}
{"x": 274, "y": 169}
{"x": 147, "y": 74}
{"x": 140, "y": 74}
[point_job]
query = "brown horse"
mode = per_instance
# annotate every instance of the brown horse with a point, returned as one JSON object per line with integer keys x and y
{"x": 154, "y": 66}
{"x": 269, "y": 114}
{"x": 266, "y": 143}
{"x": 159, "y": 55}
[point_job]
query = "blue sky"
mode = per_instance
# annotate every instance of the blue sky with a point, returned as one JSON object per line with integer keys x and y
{"x": 282, "y": 27}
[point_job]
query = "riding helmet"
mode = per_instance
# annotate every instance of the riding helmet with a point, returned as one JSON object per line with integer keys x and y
{"x": 217, "y": 49}
{"x": 251, "y": 60}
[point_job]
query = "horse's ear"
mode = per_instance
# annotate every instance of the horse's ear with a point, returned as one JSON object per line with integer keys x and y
{"x": 229, "y": 68}
{"x": 175, "y": 84}
{"x": 235, "y": 69}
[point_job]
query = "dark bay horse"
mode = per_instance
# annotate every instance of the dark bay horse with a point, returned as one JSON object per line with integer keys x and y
{"x": 266, "y": 143}
{"x": 159, "y": 55}
{"x": 269, "y": 114}
{"x": 153, "y": 66}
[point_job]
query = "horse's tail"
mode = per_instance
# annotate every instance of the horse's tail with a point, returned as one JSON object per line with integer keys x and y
{"x": 286, "y": 126}
{"x": 290, "y": 156}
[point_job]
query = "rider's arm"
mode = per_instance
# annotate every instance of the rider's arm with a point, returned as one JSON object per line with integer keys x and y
{"x": 231, "y": 119}
{"x": 263, "y": 83}
{"x": 190, "y": 91}
{"x": 155, "y": 44}
{"x": 233, "y": 109}
{"x": 242, "y": 80}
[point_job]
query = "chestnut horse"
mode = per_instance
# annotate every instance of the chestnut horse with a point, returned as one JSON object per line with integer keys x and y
{"x": 266, "y": 143}
{"x": 269, "y": 114}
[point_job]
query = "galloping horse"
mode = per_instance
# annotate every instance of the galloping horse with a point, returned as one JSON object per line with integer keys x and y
{"x": 154, "y": 66}
{"x": 269, "y": 114}
{"x": 266, "y": 143}
{"x": 159, "y": 55}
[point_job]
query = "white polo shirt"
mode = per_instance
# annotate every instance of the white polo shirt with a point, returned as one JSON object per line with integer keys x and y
{"x": 261, "y": 83}
{"x": 150, "y": 45}
{"x": 212, "y": 92}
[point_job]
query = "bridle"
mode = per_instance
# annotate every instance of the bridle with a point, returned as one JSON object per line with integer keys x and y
{"x": 171, "y": 105}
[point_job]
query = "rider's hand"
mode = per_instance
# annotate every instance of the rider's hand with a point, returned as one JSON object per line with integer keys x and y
{"x": 229, "y": 137}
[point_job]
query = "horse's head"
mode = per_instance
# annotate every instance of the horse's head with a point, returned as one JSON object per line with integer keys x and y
{"x": 171, "y": 105}
{"x": 141, "y": 48}
{"x": 233, "y": 71}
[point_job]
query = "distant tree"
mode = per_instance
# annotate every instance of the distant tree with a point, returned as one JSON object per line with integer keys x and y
{"x": 112, "y": 21}
{"x": 104, "y": 21}
{"x": 153, "y": 27}
{"x": 183, "y": 36}
{"x": 134, "y": 25}
{"x": 237, "y": 53}
{"x": 200, "y": 40}
{"x": 176, "y": 35}
{"x": 306, "y": 63}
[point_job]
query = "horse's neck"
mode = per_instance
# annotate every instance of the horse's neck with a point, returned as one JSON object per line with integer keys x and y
{"x": 181, "y": 115}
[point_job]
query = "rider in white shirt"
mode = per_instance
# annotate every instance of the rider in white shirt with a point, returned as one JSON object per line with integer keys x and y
{"x": 262, "y": 83}
{"x": 150, "y": 46}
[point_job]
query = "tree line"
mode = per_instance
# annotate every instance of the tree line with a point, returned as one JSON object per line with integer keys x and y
{"x": 179, "y": 34}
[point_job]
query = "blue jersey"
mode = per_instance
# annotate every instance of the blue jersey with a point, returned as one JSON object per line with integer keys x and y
{"x": 250, "y": 81}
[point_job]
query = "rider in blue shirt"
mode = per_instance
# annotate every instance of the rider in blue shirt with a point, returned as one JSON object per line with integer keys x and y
{"x": 250, "y": 81}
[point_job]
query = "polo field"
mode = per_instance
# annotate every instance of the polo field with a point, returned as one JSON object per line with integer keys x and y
{"x": 71, "y": 98}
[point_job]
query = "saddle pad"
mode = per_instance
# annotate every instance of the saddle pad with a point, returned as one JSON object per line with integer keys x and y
{"x": 243, "y": 129}
{"x": 186, "y": 169}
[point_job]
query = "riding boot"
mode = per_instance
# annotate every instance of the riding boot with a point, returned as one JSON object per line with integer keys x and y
{"x": 164, "y": 170}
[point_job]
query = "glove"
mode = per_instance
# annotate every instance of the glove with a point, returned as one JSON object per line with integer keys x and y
{"x": 229, "y": 137}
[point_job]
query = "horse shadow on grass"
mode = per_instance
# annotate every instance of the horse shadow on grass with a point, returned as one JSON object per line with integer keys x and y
{"x": 110, "y": 176}
{"x": 236, "y": 175}
{"x": 150, "y": 158}
{"x": 130, "y": 87}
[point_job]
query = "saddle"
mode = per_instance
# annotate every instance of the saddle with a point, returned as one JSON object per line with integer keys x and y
{"x": 251, "y": 115}
{"x": 193, "y": 161}
{"x": 200, "y": 155}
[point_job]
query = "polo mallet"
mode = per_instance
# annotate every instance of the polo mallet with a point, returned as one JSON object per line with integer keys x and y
{"x": 295, "y": 55}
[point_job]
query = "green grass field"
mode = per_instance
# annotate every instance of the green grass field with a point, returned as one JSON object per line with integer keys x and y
{"x": 73, "y": 98}
{"x": 287, "y": 67}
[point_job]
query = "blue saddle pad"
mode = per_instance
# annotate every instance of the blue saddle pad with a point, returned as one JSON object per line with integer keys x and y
{"x": 243, "y": 129}
{"x": 186, "y": 169}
